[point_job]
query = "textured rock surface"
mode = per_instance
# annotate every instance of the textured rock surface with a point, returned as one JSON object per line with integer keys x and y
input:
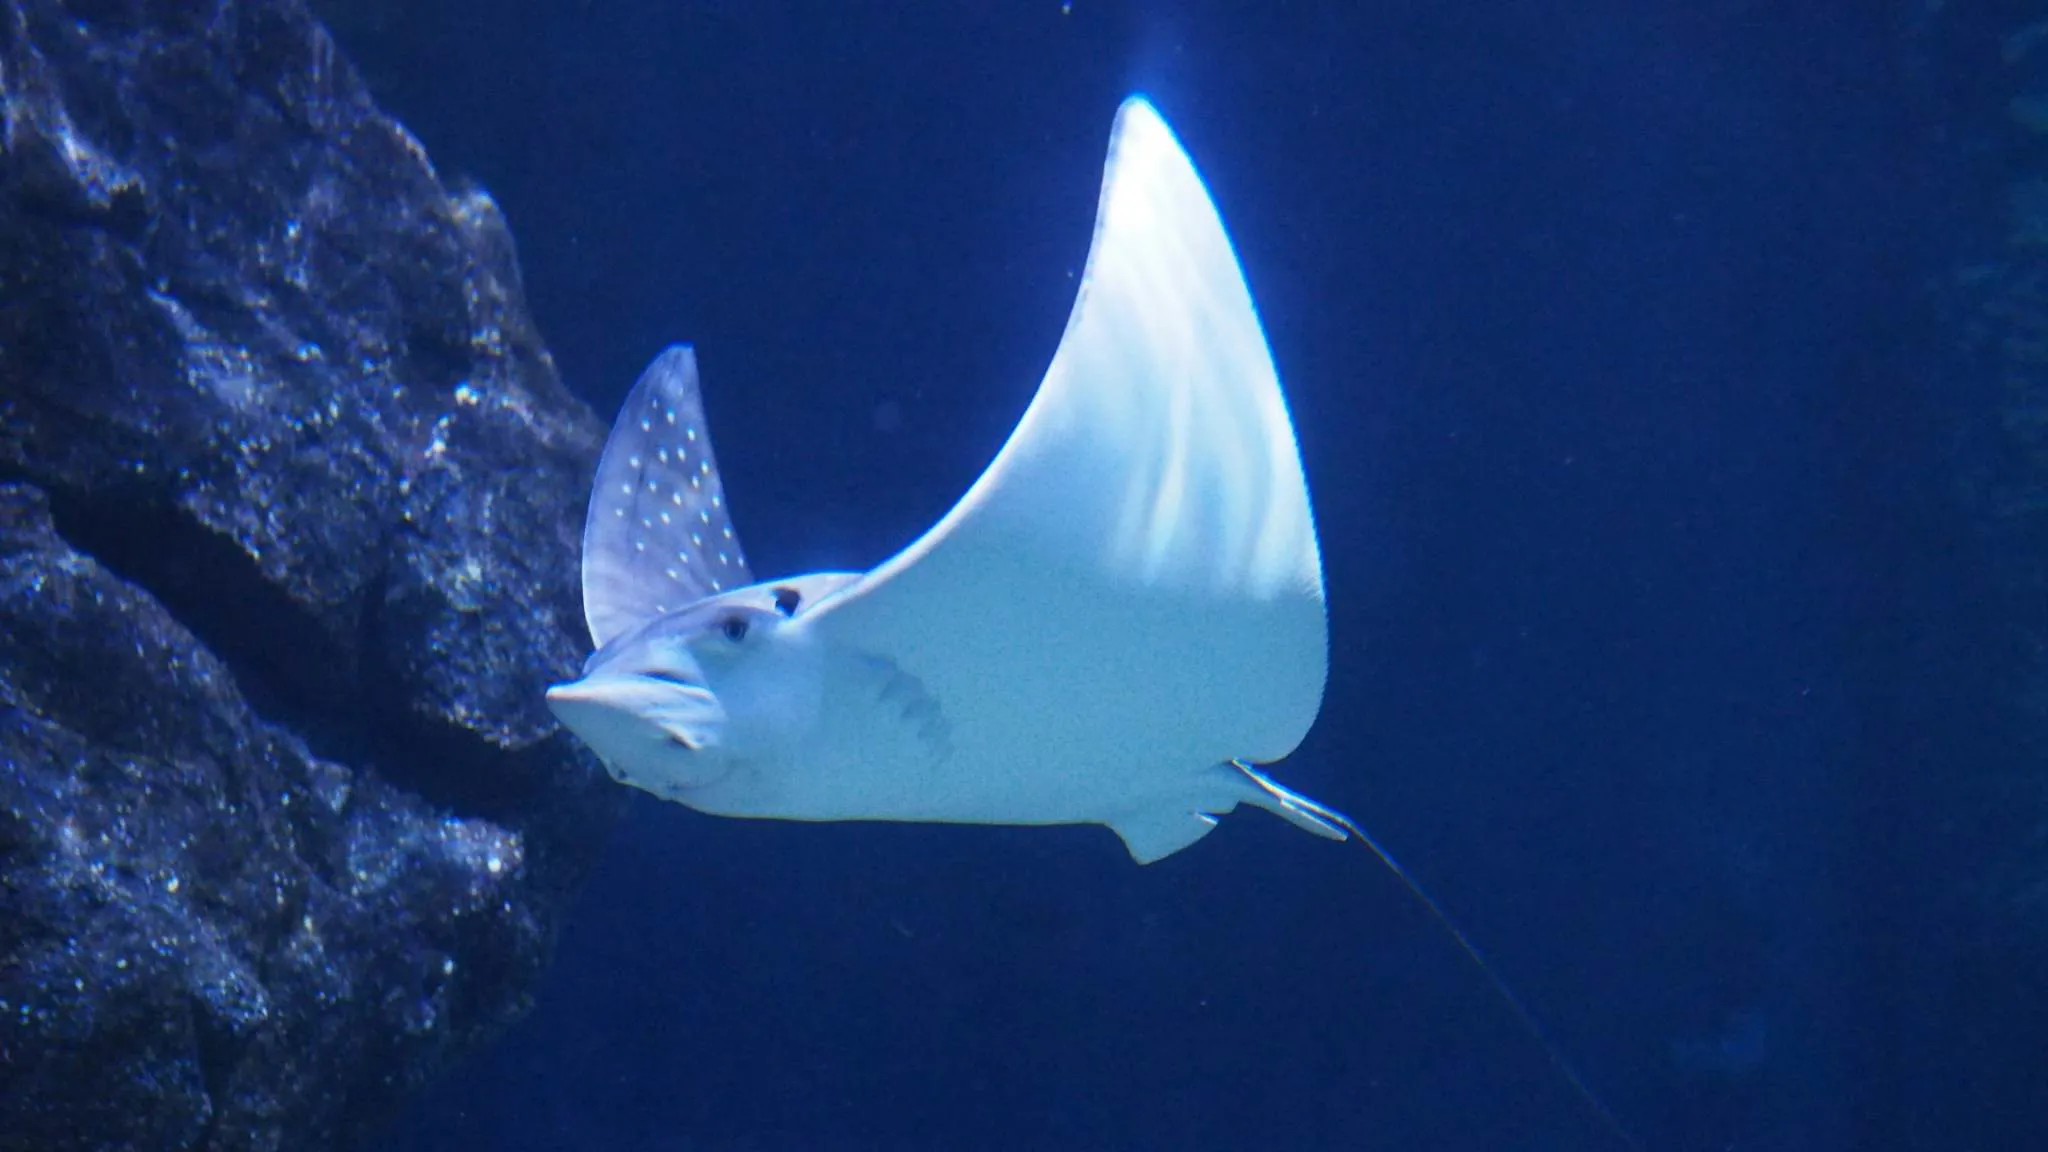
{"x": 289, "y": 496}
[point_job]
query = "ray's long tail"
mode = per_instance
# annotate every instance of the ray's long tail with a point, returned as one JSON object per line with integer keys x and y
{"x": 1328, "y": 822}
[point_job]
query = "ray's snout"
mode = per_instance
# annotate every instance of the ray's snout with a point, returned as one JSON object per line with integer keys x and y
{"x": 572, "y": 697}
{"x": 647, "y": 729}
{"x": 585, "y": 709}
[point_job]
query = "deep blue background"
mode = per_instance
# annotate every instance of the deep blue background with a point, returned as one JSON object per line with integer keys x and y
{"x": 1594, "y": 318}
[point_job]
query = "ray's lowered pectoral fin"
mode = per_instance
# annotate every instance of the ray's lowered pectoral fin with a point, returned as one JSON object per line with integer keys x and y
{"x": 658, "y": 536}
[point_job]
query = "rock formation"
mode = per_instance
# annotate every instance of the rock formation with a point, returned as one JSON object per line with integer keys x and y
{"x": 289, "y": 502}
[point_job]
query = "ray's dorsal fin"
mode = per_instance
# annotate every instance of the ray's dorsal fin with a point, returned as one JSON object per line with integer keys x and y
{"x": 658, "y": 536}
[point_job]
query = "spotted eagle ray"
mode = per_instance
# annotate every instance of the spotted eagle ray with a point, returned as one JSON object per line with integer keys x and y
{"x": 1119, "y": 623}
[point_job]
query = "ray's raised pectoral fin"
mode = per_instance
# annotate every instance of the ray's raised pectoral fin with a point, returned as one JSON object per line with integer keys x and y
{"x": 1131, "y": 593}
{"x": 658, "y": 536}
{"x": 1159, "y": 833}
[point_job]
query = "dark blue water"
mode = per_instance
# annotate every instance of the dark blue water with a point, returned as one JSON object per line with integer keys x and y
{"x": 1596, "y": 323}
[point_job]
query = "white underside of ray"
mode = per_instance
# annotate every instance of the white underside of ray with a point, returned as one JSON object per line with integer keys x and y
{"x": 1129, "y": 597}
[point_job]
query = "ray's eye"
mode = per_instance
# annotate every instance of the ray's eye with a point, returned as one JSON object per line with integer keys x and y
{"x": 787, "y": 599}
{"x": 734, "y": 628}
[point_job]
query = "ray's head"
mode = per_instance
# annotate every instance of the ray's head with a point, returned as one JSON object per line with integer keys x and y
{"x": 699, "y": 671}
{"x": 682, "y": 702}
